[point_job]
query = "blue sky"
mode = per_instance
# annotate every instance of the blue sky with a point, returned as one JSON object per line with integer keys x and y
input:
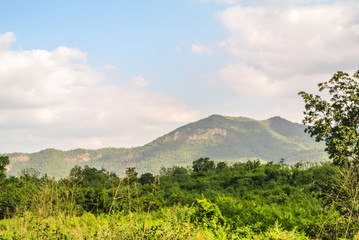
{"x": 96, "y": 74}
{"x": 151, "y": 38}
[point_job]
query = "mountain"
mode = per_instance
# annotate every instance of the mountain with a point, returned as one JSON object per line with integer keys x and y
{"x": 218, "y": 137}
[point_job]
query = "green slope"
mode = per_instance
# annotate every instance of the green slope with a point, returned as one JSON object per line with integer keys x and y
{"x": 217, "y": 137}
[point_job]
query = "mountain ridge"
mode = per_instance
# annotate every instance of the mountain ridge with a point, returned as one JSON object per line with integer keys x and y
{"x": 221, "y": 138}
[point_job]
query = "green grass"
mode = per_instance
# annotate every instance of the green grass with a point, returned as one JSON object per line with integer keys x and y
{"x": 167, "y": 223}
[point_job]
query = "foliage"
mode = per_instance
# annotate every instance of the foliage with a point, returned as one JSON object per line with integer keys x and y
{"x": 336, "y": 121}
{"x": 240, "y": 201}
{"x": 147, "y": 178}
{"x": 207, "y": 214}
{"x": 203, "y": 165}
{"x": 167, "y": 223}
{"x": 4, "y": 160}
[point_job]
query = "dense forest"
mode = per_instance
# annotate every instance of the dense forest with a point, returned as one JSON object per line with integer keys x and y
{"x": 209, "y": 201}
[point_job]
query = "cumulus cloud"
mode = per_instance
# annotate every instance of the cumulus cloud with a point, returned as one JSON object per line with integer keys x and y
{"x": 55, "y": 99}
{"x": 242, "y": 79}
{"x": 284, "y": 47}
{"x": 6, "y": 40}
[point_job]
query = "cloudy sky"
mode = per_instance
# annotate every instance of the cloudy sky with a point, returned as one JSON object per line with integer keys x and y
{"x": 92, "y": 74}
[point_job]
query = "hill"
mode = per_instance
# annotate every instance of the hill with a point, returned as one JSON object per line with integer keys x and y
{"x": 217, "y": 137}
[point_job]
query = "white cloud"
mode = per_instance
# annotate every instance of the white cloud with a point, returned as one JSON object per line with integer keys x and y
{"x": 200, "y": 49}
{"x": 242, "y": 79}
{"x": 288, "y": 44}
{"x": 309, "y": 38}
{"x": 277, "y": 48}
{"x": 6, "y": 40}
{"x": 54, "y": 99}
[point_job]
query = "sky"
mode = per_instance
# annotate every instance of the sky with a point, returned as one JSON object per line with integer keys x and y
{"x": 94, "y": 74}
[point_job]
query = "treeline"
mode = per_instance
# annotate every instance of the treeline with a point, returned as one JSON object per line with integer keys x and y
{"x": 242, "y": 200}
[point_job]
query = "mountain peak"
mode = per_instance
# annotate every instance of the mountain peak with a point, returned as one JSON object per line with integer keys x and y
{"x": 278, "y": 118}
{"x": 215, "y": 116}
{"x": 285, "y": 127}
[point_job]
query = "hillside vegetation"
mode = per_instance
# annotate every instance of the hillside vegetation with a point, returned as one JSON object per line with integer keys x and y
{"x": 211, "y": 201}
{"x": 234, "y": 139}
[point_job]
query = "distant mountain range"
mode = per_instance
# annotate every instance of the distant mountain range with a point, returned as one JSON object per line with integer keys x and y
{"x": 218, "y": 137}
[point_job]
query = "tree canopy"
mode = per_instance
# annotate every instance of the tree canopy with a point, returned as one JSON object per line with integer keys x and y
{"x": 203, "y": 165}
{"x": 335, "y": 120}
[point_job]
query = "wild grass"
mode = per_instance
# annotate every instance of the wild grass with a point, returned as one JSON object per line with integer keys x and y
{"x": 166, "y": 223}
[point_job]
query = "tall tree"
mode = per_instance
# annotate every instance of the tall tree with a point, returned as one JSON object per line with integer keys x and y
{"x": 335, "y": 120}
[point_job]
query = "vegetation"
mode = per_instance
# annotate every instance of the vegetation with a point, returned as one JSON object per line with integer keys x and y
{"x": 234, "y": 139}
{"x": 212, "y": 201}
{"x": 336, "y": 121}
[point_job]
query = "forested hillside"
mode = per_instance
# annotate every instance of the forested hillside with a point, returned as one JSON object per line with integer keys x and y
{"x": 234, "y": 139}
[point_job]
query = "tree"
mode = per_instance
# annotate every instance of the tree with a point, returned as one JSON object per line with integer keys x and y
{"x": 4, "y": 160}
{"x": 252, "y": 165}
{"x": 221, "y": 165}
{"x": 173, "y": 171}
{"x": 147, "y": 178}
{"x": 203, "y": 165}
{"x": 30, "y": 173}
{"x": 131, "y": 175}
{"x": 336, "y": 120}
